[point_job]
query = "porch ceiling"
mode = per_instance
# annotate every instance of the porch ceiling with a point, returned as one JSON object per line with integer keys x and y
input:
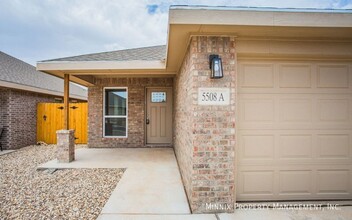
{"x": 242, "y": 23}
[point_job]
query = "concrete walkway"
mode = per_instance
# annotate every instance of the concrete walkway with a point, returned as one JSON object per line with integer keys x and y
{"x": 150, "y": 185}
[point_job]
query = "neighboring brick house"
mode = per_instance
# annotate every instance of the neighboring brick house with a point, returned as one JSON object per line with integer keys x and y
{"x": 276, "y": 126}
{"x": 21, "y": 88}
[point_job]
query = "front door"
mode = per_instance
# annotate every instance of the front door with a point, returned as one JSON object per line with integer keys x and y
{"x": 159, "y": 116}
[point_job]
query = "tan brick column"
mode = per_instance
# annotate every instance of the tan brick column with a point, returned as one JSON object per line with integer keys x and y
{"x": 65, "y": 146}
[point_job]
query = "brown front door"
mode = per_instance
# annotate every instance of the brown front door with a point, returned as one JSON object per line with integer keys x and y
{"x": 159, "y": 116}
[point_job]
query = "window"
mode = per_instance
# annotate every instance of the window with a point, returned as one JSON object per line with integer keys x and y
{"x": 58, "y": 100}
{"x": 115, "y": 112}
{"x": 158, "y": 97}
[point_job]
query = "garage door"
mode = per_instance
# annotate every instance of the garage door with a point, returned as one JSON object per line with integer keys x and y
{"x": 294, "y": 130}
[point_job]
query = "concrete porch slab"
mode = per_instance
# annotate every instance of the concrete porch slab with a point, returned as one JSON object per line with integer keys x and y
{"x": 151, "y": 183}
{"x": 117, "y": 158}
{"x": 6, "y": 152}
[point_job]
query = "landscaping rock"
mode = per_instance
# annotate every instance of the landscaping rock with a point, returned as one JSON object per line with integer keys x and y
{"x": 26, "y": 193}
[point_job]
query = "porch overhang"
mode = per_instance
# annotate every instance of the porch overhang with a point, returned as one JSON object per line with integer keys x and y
{"x": 82, "y": 72}
{"x": 250, "y": 26}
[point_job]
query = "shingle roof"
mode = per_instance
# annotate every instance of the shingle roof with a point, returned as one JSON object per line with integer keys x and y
{"x": 13, "y": 70}
{"x": 144, "y": 53}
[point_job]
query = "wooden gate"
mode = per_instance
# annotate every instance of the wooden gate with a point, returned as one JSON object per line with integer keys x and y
{"x": 50, "y": 118}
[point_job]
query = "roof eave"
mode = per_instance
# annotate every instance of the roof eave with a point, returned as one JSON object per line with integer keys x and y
{"x": 256, "y": 17}
{"x": 101, "y": 65}
{"x": 100, "y": 68}
{"x": 39, "y": 90}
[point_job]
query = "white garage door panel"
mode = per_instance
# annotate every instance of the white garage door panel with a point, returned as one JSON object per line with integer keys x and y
{"x": 249, "y": 182}
{"x": 294, "y": 131}
{"x": 334, "y": 146}
{"x": 330, "y": 182}
{"x": 257, "y": 76}
{"x": 295, "y": 76}
{"x": 333, "y": 76}
{"x": 302, "y": 187}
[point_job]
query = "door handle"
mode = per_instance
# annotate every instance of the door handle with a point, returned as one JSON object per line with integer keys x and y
{"x": 147, "y": 121}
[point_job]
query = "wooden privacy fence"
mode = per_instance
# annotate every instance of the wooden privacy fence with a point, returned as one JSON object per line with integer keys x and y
{"x": 50, "y": 118}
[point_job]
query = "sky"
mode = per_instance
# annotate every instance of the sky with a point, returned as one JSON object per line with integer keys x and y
{"x": 34, "y": 30}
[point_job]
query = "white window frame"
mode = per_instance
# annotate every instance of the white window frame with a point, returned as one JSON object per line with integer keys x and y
{"x": 115, "y": 116}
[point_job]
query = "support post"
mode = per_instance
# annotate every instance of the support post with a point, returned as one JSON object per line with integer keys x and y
{"x": 66, "y": 138}
{"x": 66, "y": 101}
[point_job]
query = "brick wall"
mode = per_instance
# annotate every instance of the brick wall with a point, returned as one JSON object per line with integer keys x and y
{"x": 136, "y": 110}
{"x": 205, "y": 135}
{"x": 3, "y": 105}
{"x": 19, "y": 117}
{"x": 183, "y": 121}
{"x": 4, "y": 96}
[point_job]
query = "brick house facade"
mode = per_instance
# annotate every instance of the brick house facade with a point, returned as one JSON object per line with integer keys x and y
{"x": 18, "y": 117}
{"x": 284, "y": 133}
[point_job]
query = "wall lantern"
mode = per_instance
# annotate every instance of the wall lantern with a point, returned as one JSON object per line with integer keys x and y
{"x": 215, "y": 66}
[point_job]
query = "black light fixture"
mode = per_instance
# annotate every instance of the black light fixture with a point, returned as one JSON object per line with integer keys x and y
{"x": 215, "y": 66}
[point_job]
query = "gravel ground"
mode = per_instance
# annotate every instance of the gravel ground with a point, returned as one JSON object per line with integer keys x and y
{"x": 26, "y": 193}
